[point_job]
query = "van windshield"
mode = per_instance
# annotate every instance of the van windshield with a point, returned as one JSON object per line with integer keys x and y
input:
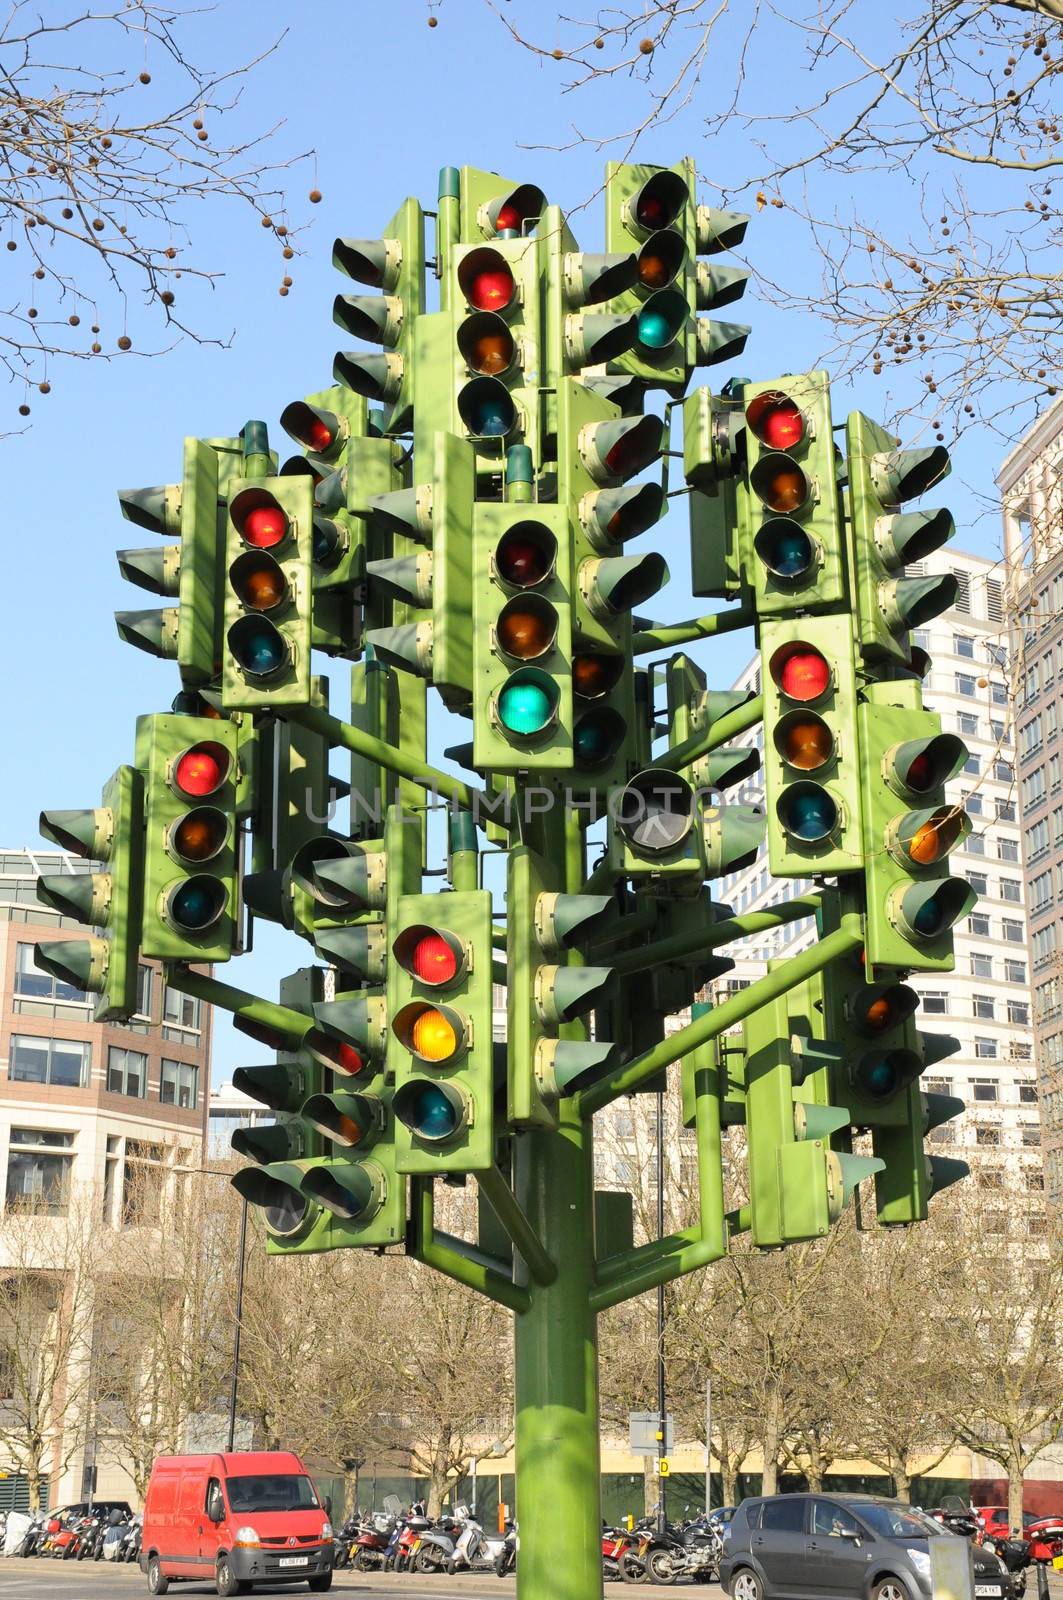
{"x": 272, "y": 1492}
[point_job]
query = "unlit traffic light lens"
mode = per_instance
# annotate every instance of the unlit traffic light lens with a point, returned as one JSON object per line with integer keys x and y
{"x": 197, "y": 903}
{"x": 660, "y": 260}
{"x": 199, "y": 835}
{"x": 597, "y": 737}
{"x": 595, "y": 675}
{"x": 526, "y": 628}
{"x": 201, "y": 769}
{"x": 801, "y": 672}
{"x": 258, "y": 647}
{"x": 259, "y": 581}
{"x": 780, "y": 483}
{"x": 525, "y": 555}
{"x": 487, "y": 346}
{"x": 786, "y": 549}
{"x": 804, "y": 741}
{"x": 487, "y": 409}
{"x": 429, "y": 1110}
{"x": 807, "y": 812}
{"x": 879, "y": 1076}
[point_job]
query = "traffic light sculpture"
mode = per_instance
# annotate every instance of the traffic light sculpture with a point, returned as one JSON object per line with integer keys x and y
{"x": 477, "y": 512}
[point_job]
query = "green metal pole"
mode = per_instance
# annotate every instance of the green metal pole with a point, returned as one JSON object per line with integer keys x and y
{"x": 249, "y": 1007}
{"x": 556, "y": 1350}
{"x": 720, "y": 933}
{"x": 407, "y": 766}
{"x": 628, "y": 1078}
{"x": 712, "y": 737}
{"x": 669, "y": 635}
{"x": 556, "y": 1340}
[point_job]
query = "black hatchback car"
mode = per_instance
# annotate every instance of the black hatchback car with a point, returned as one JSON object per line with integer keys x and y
{"x": 852, "y": 1547}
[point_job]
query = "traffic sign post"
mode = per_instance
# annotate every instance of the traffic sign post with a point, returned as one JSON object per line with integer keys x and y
{"x": 474, "y": 514}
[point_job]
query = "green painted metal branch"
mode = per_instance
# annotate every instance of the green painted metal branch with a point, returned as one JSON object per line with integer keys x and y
{"x": 513, "y": 1218}
{"x": 626, "y": 1079}
{"x": 601, "y": 880}
{"x": 720, "y": 933}
{"x": 407, "y": 766}
{"x": 424, "y": 1245}
{"x": 249, "y": 1007}
{"x": 661, "y": 1260}
{"x": 671, "y": 634}
{"x": 711, "y": 738}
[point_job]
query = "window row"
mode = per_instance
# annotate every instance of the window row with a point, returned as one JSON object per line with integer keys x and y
{"x": 969, "y": 687}
{"x": 1043, "y": 781}
{"x": 985, "y": 1008}
{"x": 33, "y": 983}
{"x": 1039, "y": 835}
{"x": 1006, "y": 849}
{"x": 983, "y": 1089}
{"x": 67, "y": 1063}
{"x": 1009, "y": 889}
{"x": 1012, "y": 930}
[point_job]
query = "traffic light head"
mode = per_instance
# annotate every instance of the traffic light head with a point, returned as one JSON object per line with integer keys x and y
{"x": 395, "y": 265}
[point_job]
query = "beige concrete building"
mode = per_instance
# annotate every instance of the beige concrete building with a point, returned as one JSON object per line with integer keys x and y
{"x": 90, "y": 1114}
{"x": 1031, "y": 492}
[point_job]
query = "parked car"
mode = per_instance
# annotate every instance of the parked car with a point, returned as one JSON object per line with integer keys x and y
{"x": 848, "y": 1547}
{"x": 246, "y": 1517}
{"x": 995, "y": 1519}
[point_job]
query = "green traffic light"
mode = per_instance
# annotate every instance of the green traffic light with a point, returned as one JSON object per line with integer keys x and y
{"x": 527, "y": 703}
{"x": 662, "y": 319}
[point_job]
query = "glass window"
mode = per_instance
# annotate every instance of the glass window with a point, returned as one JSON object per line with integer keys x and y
{"x": 965, "y": 684}
{"x": 973, "y": 765}
{"x": 921, "y": 638}
{"x": 984, "y": 1089}
{"x": 62, "y": 1062}
{"x": 831, "y": 1520}
{"x": 181, "y": 1009}
{"x": 981, "y": 966}
{"x": 1031, "y": 1135}
{"x": 968, "y": 723}
{"x": 936, "y": 1003}
{"x": 144, "y": 976}
{"x": 1014, "y": 971}
{"x": 34, "y": 983}
{"x": 997, "y": 653}
{"x": 1018, "y": 1012}
{"x": 1003, "y": 771}
{"x": 974, "y": 844}
{"x": 963, "y": 645}
{"x": 978, "y": 924}
{"x": 999, "y": 694}
{"x": 179, "y": 1085}
{"x": 1011, "y": 889}
{"x": 984, "y": 1007}
{"x": 1014, "y": 932}
{"x": 1005, "y": 810}
{"x": 987, "y": 1136}
{"x": 985, "y": 1049}
{"x": 978, "y": 882}
{"x": 972, "y": 802}
{"x": 38, "y": 1169}
{"x": 1008, "y": 849}
{"x": 786, "y": 1512}
{"x": 127, "y": 1072}
{"x": 1028, "y": 1093}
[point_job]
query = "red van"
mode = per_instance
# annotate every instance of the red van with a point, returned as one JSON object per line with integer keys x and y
{"x": 249, "y": 1516}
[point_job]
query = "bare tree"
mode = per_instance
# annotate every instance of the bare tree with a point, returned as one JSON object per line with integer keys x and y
{"x": 949, "y": 116}
{"x": 448, "y": 1357}
{"x": 1005, "y": 1382}
{"x": 161, "y": 1335}
{"x": 47, "y": 1286}
{"x": 110, "y": 135}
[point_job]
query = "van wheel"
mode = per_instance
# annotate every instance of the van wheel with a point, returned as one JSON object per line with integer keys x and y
{"x": 158, "y": 1583}
{"x": 225, "y": 1579}
{"x": 321, "y": 1582}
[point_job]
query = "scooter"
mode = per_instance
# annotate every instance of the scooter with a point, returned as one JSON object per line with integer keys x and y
{"x": 371, "y": 1542}
{"x": 435, "y": 1546}
{"x": 475, "y": 1549}
{"x": 616, "y": 1542}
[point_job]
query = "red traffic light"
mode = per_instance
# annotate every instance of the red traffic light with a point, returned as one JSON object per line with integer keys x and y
{"x": 201, "y": 769}
{"x": 776, "y": 419}
{"x": 486, "y": 281}
{"x": 260, "y": 520}
{"x": 800, "y": 671}
{"x": 311, "y": 426}
{"x": 434, "y": 956}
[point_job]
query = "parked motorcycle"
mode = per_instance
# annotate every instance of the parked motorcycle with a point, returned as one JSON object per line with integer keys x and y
{"x": 372, "y": 1540}
{"x": 616, "y": 1542}
{"x": 476, "y": 1550}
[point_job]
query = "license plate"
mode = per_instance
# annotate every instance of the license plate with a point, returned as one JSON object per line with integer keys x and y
{"x": 302, "y": 1561}
{"x": 991, "y": 1589}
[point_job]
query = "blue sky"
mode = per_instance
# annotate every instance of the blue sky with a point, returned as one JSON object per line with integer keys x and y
{"x": 386, "y": 101}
